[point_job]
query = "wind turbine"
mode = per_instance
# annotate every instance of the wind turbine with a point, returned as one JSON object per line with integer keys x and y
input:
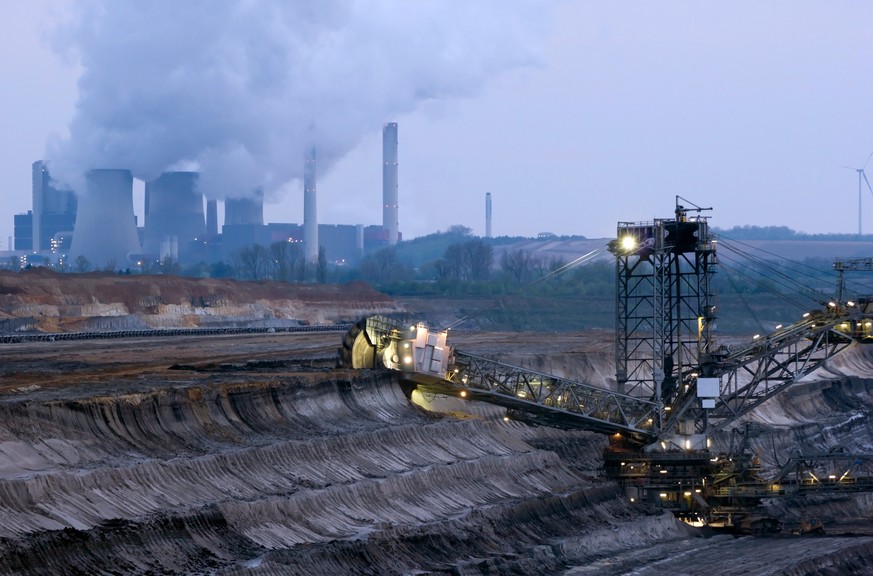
{"x": 862, "y": 178}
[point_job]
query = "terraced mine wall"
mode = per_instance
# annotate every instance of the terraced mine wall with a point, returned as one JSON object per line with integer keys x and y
{"x": 832, "y": 412}
{"x": 252, "y": 454}
{"x": 320, "y": 473}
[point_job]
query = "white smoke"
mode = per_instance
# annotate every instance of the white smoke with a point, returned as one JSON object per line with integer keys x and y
{"x": 234, "y": 87}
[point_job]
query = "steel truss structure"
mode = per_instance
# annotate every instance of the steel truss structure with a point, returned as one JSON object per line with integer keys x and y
{"x": 830, "y": 472}
{"x": 675, "y": 387}
{"x": 545, "y": 398}
{"x": 665, "y": 317}
{"x": 753, "y": 373}
{"x": 665, "y": 306}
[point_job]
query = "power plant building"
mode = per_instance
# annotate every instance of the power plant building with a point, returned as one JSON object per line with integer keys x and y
{"x": 342, "y": 243}
{"x": 49, "y": 225}
{"x": 99, "y": 222}
{"x": 244, "y": 211}
{"x": 243, "y": 224}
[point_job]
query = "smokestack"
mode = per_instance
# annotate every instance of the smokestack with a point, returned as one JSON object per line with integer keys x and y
{"x": 488, "y": 214}
{"x": 390, "y": 220}
{"x": 105, "y": 224}
{"x": 245, "y": 210}
{"x": 310, "y": 218}
{"x": 212, "y": 217}
{"x": 40, "y": 180}
{"x": 174, "y": 209}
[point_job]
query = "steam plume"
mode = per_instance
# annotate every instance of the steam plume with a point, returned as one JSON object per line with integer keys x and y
{"x": 230, "y": 87}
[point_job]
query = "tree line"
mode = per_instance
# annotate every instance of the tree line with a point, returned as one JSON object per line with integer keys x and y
{"x": 444, "y": 263}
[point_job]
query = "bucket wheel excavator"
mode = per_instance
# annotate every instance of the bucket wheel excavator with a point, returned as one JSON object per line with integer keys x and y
{"x": 371, "y": 343}
{"x": 675, "y": 387}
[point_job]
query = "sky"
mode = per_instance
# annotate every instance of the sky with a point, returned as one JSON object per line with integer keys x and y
{"x": 595, "y": 113}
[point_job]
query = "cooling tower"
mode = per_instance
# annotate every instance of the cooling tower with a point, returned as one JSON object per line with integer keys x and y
{"x": 105, "y": 230}
{"x": 244, "y": 210}
{"x": 310, "y": 213}
{"x": 389, "y": 182}
{"x": 173, "y": 210}
{"x": 488, "y": 214}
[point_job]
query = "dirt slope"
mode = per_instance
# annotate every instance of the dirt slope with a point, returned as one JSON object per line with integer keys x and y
{"x": 42, "y": 300}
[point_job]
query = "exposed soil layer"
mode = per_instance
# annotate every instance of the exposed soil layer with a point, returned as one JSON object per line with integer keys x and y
{"x": 45, "y": 301}
{"x": 252, "y": 454}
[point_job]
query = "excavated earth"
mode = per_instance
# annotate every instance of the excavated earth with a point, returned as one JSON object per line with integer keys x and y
{"x": 45, "y": 301}
{"x": 254, "y": 454}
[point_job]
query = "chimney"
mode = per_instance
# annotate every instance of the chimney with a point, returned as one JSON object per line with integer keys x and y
{"x": 40, "y": 182}
{"x": 389, "y": 182}
{"x": 359, "y": 240}
{"x": 310, "y": 217}
{"x": 488, "y": 214}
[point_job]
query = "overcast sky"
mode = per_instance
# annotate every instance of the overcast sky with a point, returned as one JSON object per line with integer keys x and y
{"x": 612, "y": 109}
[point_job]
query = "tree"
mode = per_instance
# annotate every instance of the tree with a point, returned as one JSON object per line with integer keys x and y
{"x": 556, "y": 264}
{"x": 517, "y": 263}
{"x": 455, "y": 262}
{"x": 442, "y": 270}
{"x": 459, "y": 230}
{"x": 252, "y": 262}
{"x": 221, "y": 269}
{"x": 302, "y": 268}
{"x": 321, "y": 266}
{"x": 169, "y": 266}
{"x": 286, "y": 261}
{"x": 279, "y": 260}
{"x": 380, "y": 267}
{"x": 468, "y": 261}
{"x": 197, "y": 270}
{"x": 149, "y": 266}
{"x": 480, "y": 256}
{"x": 82, "y": 264}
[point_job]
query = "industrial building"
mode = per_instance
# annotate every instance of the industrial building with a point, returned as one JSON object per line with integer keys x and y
{"x": 49, "y": 225}
{"x": 243, "y": 224}
{"x": 181, "y": 222}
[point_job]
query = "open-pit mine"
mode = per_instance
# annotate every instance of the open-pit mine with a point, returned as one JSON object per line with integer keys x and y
{"x": 169, "y": 426}
{"x": 253, "y": 454}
